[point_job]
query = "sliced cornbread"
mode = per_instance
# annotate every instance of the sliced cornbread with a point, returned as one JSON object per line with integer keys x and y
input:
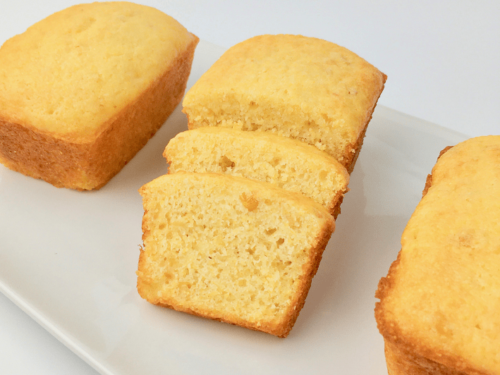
{"x": 84, "y": 89}
{"x": 261, "y": 156}
{"x": 439, "y": 304}
{"x": 303, "y": 88}
{"x": 230, "y": 249}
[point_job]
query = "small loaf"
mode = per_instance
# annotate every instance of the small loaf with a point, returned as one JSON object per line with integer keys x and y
{"x": 83, "y": 90}
{"x": 440, "y": 302}
{"x": 298, "y": 87}
{"x": 230, "y": 249}
{"x": 261, "y": 156}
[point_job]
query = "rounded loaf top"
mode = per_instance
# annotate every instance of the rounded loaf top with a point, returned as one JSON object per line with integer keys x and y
{"x": 304, "y": 71}
{"x": 296, "y": 86}
{"x": 74, "y": 70}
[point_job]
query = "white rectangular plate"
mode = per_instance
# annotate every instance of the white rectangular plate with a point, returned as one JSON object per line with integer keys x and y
{"x": 69, "y": 258}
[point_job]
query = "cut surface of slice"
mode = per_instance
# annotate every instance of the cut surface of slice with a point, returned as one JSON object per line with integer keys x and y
{"x": 230, "y": 249}
{"x": 287, "y": 163}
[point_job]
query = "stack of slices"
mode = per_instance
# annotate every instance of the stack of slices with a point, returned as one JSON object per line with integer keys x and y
{"x": 236, "y": 230}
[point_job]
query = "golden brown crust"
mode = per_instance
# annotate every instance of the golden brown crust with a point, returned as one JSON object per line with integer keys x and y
{"x": 334, "y": 209}
{"x": 87, "y": 166}
{"x": 404, "y": 354}
{"x": 306, "y": 281}
{"x": 428, "y": 182}
{"x": 281, "y": 330}
{"x": 402, "y": 362}
{"x": 351, "y": 157}
{"x": 329, "y": 115}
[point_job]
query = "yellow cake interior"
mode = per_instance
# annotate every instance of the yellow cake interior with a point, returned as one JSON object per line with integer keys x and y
{"x": 227, "y": 247}
{"x": 287, "y": 163}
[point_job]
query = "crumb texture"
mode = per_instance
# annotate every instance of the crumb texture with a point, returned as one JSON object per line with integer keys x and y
{"x": 230, "y": 249}
{"x": 304, "y": 88}
{"x": 266, "y": 157}
{"x": 442, "y": 296}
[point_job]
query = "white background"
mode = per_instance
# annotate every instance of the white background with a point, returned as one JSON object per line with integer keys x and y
{"x": 442, "y": 59}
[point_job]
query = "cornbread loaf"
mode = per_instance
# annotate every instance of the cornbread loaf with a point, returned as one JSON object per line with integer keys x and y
{"x": 230, "y": 249}
{"x": 261, "y": 156}
{"x": 83, "y": 90}
{"x": 299, "y": 87}
{"x": 439, "y": 304}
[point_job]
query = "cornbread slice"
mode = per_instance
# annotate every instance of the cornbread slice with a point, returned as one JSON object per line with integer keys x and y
{"x": 303, "y": 88}
{"x": 83, "y": 90}
{"x": 439, "y": 305}
{"x": 261, "y": 156}
{"x": 230, "y": 249}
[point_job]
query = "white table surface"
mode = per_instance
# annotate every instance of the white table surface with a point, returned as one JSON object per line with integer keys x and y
{"x": 442, "y": 60}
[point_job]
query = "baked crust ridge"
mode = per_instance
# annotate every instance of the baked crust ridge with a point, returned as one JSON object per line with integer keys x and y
{"x": 406, "y": 354}
{"x": 89, "y": 165}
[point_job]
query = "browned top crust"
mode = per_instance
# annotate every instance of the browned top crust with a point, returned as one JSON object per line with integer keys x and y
{"x": 435, "y": 330}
